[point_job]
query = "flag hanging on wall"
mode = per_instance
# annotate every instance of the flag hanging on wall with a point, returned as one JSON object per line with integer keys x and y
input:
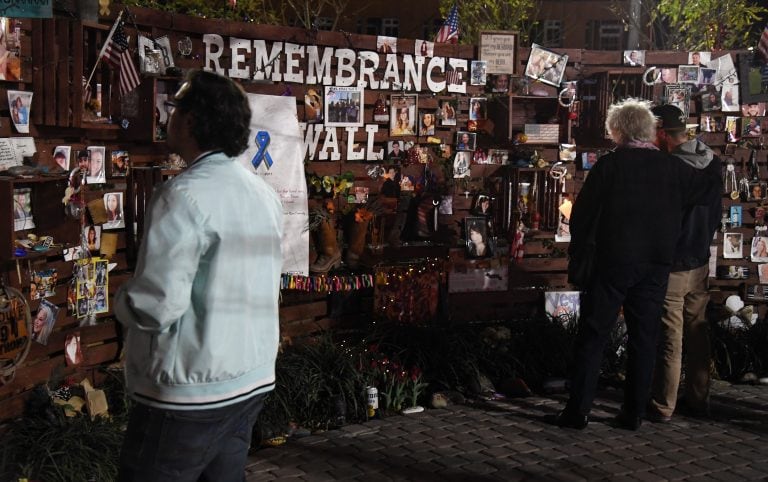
{"x": 762, "y": 46}
{"x": 117, "y": 55}
{"x": 449, "y": 32}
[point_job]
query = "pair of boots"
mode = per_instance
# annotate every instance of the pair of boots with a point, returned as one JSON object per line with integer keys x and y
{"x": 329, "y": 254}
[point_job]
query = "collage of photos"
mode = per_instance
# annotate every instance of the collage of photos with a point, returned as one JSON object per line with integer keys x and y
{"x": 91, "y": 287}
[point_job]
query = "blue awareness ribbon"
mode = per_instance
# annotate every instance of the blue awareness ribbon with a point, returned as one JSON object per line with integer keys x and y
{"x": 262, "y": 139}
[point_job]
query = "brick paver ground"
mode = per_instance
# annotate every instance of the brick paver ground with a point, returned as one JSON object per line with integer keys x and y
{"x": 513, "y": 440}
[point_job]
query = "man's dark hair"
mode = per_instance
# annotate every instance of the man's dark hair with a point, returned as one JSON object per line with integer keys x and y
{"x": 220, "y": 110}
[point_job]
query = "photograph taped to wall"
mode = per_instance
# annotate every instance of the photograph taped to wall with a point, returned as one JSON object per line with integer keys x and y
{"x": 634, "y": 58}
{"x": 10, "y": 49}
{"x": 343, "y": 106}
{"x": 478, "y": 72}
{"x": 754, "y": 78}
{"x": 753, "y": 126}
{"x": 313, "y": 106}
{"x": 753, "y": 109}
{"x": 120, "y": 163}
{"x": 759, "y": 250}
{"x": 545, "y": 66}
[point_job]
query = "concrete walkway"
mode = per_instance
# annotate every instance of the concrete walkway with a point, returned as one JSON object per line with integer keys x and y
{"x": 513, "y": 440}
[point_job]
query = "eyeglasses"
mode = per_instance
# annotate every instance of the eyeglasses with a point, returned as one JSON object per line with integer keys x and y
{"x": 170, "y": 106}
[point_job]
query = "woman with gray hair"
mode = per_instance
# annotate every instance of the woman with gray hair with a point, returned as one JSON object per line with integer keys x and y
{"x": 629, "y": 212}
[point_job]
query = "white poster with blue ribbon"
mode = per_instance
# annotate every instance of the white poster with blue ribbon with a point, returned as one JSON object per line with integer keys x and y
{"x": 275, "y": 153}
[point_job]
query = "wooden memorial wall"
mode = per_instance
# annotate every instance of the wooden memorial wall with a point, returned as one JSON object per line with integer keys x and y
{"x": 60, "y": 53}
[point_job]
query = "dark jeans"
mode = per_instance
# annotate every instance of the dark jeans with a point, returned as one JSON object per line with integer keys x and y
{"x": 640, "y": 288}
{"x": 190, "y": 445}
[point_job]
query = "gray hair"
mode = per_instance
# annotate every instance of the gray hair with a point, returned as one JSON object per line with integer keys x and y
{"x": 631, "y": 120}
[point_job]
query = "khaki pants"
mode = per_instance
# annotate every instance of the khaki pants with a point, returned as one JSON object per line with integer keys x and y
{"x": 684, "y": 319}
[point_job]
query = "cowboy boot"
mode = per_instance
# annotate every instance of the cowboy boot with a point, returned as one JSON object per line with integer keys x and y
{"x": 356, "y": 242}
{"x": 328, "y": 252}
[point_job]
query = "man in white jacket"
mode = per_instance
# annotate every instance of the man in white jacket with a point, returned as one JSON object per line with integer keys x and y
{"x": 201, "y": 313}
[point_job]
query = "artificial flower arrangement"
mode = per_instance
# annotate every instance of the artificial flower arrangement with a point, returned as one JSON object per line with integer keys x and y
{"x": 330, "y": 186}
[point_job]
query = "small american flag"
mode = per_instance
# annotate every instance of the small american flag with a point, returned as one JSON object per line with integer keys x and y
{"x": 449, "y": 32}
{"x": 117, "y": 55}
{"x": 762, "y": 46}
{"x": 116, "y": 45}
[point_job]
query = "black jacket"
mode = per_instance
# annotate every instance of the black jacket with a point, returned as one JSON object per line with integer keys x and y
{"x": 640, "y": 194}
{"x": 700, "y": 220}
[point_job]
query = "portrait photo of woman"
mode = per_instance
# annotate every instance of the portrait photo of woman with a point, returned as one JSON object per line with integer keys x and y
{"x": 477, "y": 108}
{"x": 465, "y": 141}
{"x": 96, "y": 172}
{"x": 426, "y": 123}
{"x": 447, "y": 113}
{"x": 759, "y": 251}
{"x": 481, "y": 205}
{"x": 113, "y": 202}
{"x": 92, "y": 238}
{"x": 477, "y": 237}
{"x": 42, "y": 324}
{"x": 402, "y": 121}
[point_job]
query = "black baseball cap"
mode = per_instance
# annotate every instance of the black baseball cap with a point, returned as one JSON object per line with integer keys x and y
{"x": 670, "y": 117}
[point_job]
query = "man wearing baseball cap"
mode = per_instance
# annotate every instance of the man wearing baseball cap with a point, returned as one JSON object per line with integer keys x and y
{"x": 687, "y": 290}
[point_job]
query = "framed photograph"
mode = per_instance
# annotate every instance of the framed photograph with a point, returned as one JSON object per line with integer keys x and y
{"x": 96, "y": 167}
{"x": 634, "y": 58}
{"x": 424, "y": 48}
{"x": 478, "y": 108}
{"x": 447, "y": 112}
{"x": 427, "y": 120}
{"x": 754, "y": 78}
{"x": 710, "y": 99}
{"x": 546, "y": 66}
{"x": 397, "y": 151}
{"x": 20, "y": 105}
{"x": 754, "y": 109}
{"x": 669, "y": 75}
{"x": 402, "y": 114}
{"x": 478, "y": 72}
{"x": 588, "y": 159}
{"x": 313, "y": 107}
{"x": 762, "y": 273}
{"x": 476, "y": 235}
{"x": 759, "y": 251}
{"x": 343, "y": 106}
{"x": 499, "y": 50}
{"x": 119, "y": 165}
{"x": 461, "y": 164}
{"x": 688, "y": 74}
{"x": 61, "y": 156}
{"x": 466, "y": 141}
{"x": 678, "y": 95}
{"x": 732, "y": 246}
{"x": 752, "y": 126}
